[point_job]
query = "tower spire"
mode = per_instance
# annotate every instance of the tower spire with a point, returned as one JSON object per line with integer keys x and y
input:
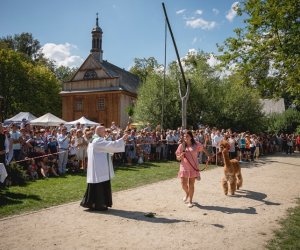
{"x": 96, "y": 50}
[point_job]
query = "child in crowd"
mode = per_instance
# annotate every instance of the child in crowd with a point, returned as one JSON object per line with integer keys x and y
{"x": 47, "y": 167}
{"x": 73, "y": 164}
{"x": 32, "y": 169}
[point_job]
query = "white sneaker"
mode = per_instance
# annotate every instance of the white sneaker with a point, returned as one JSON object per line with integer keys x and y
{"x": 185, "y": 199}
{"x": 190, "y": 205}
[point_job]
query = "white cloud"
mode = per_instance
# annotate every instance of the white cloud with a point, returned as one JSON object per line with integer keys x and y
{"x": 180, "y": 11}
{"x": 199, "y": 12}
{"x": 61, "y": 54}
{"x": 194, "y": 40}
{"x": 215, "y": 11}
{"x": 213, "y": 61}
{"x": 201, "y": 23}
{"x": 232, "y": 12}
{"x": 221, "y": 72}
{"x": 192, "y": 52}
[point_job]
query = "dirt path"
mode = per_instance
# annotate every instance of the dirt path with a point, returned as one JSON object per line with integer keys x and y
{"x": 243, "y": 221}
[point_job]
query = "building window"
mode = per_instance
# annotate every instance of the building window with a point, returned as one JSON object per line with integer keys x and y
{"x": 101, "y": 104}
{"x": 78, "y": 105}
{"x": 90, "y": 74}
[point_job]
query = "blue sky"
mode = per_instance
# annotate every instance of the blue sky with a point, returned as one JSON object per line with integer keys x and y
{"x": 131, "y": 28}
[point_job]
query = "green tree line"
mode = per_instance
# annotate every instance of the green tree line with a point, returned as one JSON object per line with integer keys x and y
{"x": 29, "y": 81}
{"x": 263, "y": 59}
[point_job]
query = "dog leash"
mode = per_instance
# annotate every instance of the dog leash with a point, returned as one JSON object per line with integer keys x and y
{"x": 206, "y": 163}
{"x": 198, "y": 170}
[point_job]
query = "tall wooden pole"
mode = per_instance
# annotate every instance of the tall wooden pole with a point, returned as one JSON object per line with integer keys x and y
{"x": 184, "y": 98}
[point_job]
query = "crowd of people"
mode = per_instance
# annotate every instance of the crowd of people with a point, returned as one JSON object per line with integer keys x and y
{"x": 52, "y": 151}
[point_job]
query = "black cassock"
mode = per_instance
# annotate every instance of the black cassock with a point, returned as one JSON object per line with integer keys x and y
{"x": 98, "y": 196}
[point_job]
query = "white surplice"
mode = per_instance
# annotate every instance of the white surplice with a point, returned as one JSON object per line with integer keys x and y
{"x": 99, "y": 166}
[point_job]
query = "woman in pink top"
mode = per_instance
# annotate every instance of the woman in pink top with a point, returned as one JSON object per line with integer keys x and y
{"x": 187, "y": 154}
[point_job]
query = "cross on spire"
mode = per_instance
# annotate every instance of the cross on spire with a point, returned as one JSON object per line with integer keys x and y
{"x": 97, "y": 19}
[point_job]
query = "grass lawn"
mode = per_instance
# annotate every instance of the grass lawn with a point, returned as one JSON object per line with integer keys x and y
{"x": 288, "y": 237}
{"x": 49, "y": 192}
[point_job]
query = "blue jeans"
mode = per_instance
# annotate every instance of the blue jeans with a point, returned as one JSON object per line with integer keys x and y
{"x": 62, "y": 161}
{"x": 17, "y": 154}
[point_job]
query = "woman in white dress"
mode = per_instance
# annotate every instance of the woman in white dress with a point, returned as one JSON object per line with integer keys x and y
{"x": 80, "y": 148}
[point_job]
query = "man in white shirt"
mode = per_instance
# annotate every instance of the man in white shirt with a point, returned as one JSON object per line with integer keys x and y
{"x": 216, "y": 142}
{"x": 16, "y": 140}
{"x": 63, "y": 140}
{"x": 98, "y": 195}
{"x": 217, "y": 139}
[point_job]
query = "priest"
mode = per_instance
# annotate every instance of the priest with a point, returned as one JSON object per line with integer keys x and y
{"x": 98, "y": 195}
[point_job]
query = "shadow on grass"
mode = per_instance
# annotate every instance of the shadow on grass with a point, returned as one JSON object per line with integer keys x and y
{"x": 137, "y": 215}
{"x": 136, "y": 167}
{"x": 9, "y": 198}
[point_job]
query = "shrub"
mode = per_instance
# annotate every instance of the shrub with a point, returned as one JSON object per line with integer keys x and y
{"x": 16, "y": 174}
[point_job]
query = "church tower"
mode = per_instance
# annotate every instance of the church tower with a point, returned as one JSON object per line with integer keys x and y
{"x": 99, "y": 90}
{"x": 96, "y": 50}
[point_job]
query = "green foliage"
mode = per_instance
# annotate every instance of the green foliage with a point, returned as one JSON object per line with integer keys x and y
{"x": 287, "y": 121}
{"x": 144, "y": 67}
{"x": 130, "y": 110}
{"x": 240, "y": 107}
{"x": 266, "y": 51}
{"x": 64, "y": 73}
{"x": 298, "y": 130}
{"x": 150, "y": 100}
{"x": 22, "y": 43}
{"x": 16, "y": 174}
{"x": 27, "y": 86}
{"x": 287, "y": 237}
{"x": 224, "y": 103}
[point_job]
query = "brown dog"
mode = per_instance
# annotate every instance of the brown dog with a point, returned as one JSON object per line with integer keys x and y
{"x": 232, "y": 171}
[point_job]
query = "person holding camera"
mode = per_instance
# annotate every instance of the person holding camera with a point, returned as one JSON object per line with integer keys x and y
{"x": 130, "y": 147}
{"x": 187, "y": 154}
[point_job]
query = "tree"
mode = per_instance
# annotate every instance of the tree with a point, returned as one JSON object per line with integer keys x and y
{"x": 149, "y": 103}
{"x": 240, "y": 107}
{"x": 266, "y": 51}
{"x": 223, "y": 103}
{"x": 26, "y": 86}
{"x": 286, "y": 122}
{"x": 64, "y": 73}
{"x": 23, "y": 43}
{"x": 144, "y": 67}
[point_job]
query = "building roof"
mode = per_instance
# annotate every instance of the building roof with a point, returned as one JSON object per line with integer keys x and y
{"x": 128, "y": 81}
{"x": 106, "y": 70}
{"x": 272, "y": 106}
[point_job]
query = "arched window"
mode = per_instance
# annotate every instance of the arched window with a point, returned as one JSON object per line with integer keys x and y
{"x": 90, "y": 74}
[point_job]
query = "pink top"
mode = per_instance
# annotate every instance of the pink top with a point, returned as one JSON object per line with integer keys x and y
{"x": 191, "y": 153}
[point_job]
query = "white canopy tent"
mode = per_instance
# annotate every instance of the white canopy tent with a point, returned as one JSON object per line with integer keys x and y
{"x": 83, "y": 121}
{"x": 18, "y": 118}
{"x": 47, "y": 120}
